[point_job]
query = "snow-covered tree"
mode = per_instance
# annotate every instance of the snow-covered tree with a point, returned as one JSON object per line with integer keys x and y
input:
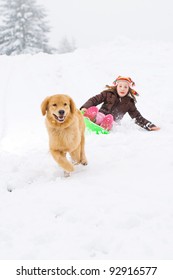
{"x": 24, "y": 28}
{"x": 66, "y": 45}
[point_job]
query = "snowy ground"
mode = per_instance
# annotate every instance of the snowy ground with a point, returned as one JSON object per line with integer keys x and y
{"x": 120, "y": 205}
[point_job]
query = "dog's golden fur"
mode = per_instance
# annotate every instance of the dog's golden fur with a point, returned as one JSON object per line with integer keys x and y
{"x": 66, "y": 128}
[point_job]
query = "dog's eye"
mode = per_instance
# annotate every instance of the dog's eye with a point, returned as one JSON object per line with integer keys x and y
{"x": 54, "y": 105}
{"x": 65, "y": 104}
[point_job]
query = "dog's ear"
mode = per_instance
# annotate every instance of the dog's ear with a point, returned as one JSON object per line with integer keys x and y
{"x": 44, "y": 105}
{"x": 72, "y": 106}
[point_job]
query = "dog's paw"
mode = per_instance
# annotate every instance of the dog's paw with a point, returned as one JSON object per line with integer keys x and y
{"x": 84, "y": 162}
{"x": 67, "y": 174}
{"x": 74, "y": 162}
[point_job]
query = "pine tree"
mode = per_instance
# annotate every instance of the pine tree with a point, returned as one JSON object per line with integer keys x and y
{"x": 24, "y": 28}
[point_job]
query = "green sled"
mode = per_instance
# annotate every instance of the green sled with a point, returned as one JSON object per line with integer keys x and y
{"x": 93, "y": 127}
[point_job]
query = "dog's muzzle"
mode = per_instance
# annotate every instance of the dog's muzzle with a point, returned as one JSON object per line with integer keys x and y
{"x": 60, "y": 116}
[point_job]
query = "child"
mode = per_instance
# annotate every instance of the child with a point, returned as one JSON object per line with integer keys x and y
{"x": 117, "y": 100}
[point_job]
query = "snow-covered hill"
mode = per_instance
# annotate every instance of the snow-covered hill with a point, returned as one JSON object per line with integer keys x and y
{"x": 120, "y": 205}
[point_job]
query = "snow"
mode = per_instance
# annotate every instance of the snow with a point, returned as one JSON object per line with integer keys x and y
{"x": 120, "y": 205}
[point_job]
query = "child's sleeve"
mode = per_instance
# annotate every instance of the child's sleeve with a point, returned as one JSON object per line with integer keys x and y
{"x": 139, "y": 119}
{"x": 94, "y": 101}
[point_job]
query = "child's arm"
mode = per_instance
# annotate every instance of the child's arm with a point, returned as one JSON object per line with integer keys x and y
{"x": 140, "y": 120}
{"x": 94, "y": 101}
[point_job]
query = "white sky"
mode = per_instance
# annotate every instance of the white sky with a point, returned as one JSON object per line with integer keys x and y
{"x": 93, "y": 21}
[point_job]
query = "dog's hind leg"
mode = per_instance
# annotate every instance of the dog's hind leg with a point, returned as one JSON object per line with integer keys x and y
{"x": 75, "y": 155}
{"x": 78, "y": 155}
{"x": 83, "y": 159}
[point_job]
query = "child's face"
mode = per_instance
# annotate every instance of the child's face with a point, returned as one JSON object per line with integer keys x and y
{"x": 122, "y": 88}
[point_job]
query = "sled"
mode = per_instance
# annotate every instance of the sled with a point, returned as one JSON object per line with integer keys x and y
{"x": 95, "y": 128}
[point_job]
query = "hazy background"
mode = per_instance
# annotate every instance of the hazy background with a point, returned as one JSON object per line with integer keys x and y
{"x": 94, "y": 21}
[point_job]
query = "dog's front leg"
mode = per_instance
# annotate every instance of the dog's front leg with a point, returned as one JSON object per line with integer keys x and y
{"x": 60, "y": 158}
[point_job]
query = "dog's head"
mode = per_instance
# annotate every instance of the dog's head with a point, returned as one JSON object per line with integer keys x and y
{"x": 58, "y": 107}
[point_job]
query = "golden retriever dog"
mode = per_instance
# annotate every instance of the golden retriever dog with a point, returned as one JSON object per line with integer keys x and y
{"x": 66, "y": 130}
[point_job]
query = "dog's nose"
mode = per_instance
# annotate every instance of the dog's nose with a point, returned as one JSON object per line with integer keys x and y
{"x": 61, "y": 112}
